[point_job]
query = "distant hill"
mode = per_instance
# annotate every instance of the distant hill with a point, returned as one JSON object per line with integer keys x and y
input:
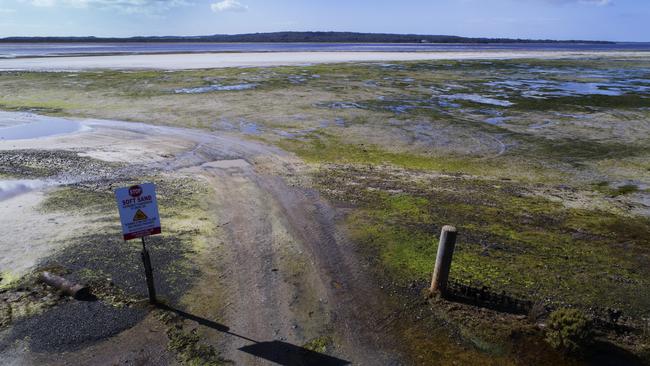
{"x": 307, "y": 37}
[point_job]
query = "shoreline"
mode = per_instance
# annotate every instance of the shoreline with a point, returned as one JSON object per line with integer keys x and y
{"x": 203, "y": 60}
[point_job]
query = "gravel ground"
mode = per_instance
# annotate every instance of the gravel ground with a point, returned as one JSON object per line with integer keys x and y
{"x": 72, "y": 326}
{"x": 108, "y": 258}
{"x": 46, "y": 163}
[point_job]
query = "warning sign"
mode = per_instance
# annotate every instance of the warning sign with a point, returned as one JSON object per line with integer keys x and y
{"x": 138, "y": 211}
{"x": 139, "y": 216}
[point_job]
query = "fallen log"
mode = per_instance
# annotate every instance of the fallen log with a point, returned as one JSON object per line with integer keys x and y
{"x": 77, "y": 291}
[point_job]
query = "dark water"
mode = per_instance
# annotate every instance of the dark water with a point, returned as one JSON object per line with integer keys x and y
{"x": 11, "y": 50}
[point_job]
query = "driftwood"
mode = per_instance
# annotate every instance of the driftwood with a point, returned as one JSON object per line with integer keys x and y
{"x": 77, "y": 291}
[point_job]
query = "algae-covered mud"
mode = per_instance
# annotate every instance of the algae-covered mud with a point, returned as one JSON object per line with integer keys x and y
{"x": 301, "y": 207}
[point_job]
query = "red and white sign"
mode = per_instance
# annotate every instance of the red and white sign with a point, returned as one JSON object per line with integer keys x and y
{"x": 138, "y": 211}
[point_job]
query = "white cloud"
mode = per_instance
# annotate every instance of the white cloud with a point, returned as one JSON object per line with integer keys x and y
{"x": 228, "y": 5}
{"x": 128, "y": 6}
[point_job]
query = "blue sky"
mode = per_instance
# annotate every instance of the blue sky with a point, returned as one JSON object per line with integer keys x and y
{"x": 618, "y": 20}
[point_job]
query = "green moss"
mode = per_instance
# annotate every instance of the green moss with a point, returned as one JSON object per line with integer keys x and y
{"x": 177, "y": 197}
{"x": 569, "y": 330}
{"x": 7, "y": 280}
{"x": 524, "y": 245}
{"x": 325, "y": 148}
{"x": 190, "y": 350}
{"x": 74, "y": 199}
{"x": 319, "y": 344}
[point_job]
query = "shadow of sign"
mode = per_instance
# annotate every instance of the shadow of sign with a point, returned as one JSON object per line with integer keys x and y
{"x": 282, "y": 353}
{"x": 290, "y": 355}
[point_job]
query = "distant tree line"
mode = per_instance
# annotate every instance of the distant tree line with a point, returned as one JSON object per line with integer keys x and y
{"x": 307, "y": 37}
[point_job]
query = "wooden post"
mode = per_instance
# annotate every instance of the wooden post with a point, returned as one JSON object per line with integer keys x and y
{"x": 79, "y": 292}
{"x": 148, "y": 272}
{"x": 443, "y": 260}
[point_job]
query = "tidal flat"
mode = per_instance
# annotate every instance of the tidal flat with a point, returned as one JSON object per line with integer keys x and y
{"x": 542, "y": 165}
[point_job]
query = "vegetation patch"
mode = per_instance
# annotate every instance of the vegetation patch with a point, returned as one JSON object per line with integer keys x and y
{"x": 569, "y": 330}
{"x": 187, "y": 344}
{"x": 509, "y": 240}
{"x": 327, "y": 148}
{"x": 319, "y": 344}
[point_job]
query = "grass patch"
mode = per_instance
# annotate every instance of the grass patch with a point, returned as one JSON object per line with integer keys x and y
{"x": 508, "y": 241}
{"x": 327, "y": 148}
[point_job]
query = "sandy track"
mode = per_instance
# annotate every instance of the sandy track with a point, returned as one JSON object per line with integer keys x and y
{"x": 290, "y": 275}
{"x": 259, "y": 59}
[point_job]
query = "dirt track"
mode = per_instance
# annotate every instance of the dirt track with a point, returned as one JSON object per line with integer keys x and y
{"x": 276, "y": 271}
{"x": 290, "y": 275}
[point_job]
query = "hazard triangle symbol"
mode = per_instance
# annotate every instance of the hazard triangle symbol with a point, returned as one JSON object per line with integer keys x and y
{"x": 139, "y": 216}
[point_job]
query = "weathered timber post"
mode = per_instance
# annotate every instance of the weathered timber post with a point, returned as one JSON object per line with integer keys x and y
{"x": 79, "y": 292}
{"x": 148, "y": 272}
{"x": 443, "y": 260}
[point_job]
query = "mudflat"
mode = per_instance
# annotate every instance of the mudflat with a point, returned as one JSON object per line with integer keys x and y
{"x": 301, "y": 207}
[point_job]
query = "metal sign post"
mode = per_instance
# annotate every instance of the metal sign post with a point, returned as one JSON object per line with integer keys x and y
{"x": 139, "y": 216}
{"x": 148, "y": 272}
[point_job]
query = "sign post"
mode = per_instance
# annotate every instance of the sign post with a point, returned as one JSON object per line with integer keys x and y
{"x": 139, "y": 216}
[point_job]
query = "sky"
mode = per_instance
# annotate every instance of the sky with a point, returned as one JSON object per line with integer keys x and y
{"x": 611, "y": 20}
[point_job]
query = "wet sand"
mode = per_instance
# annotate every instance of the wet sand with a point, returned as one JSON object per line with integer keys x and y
{"x": 260, "y": 59}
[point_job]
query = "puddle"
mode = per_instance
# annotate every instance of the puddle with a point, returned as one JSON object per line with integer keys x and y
{"x": 242, "y": 125}
{"x": 497, "y": 120}
{"x": 447, "y": 104}
{"x": 12, "y": 188}
{"x": 340, "y": 105}
{"x": 215, "y": 87}
{"x": 479, "y": 99}
{"x": 250, "y": 128}
{"x": 296, "y": 79}
{"x": 541, "y": 88}
{"x": 21, "y": 126}
{"x": 572, "y": 88}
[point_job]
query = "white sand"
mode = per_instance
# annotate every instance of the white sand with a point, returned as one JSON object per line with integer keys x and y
{"x": 254, "y": 59}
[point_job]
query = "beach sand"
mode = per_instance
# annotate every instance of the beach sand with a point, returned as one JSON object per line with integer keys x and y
{"x": 258, "y": 59}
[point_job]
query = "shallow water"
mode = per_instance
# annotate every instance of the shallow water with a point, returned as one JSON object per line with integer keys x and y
{"x": 497, "y": 120}
{"x": 479, "y": 99}
{"x": 249, "y": 128}
{"x": 21, "y": 126}
{"x": 614, "y": 83}
{"x": 12, "y": 188}
{"x": 215, "y": 87}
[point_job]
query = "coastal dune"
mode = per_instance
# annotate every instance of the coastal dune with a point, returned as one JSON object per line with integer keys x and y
{"x": 187, "y": 61}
